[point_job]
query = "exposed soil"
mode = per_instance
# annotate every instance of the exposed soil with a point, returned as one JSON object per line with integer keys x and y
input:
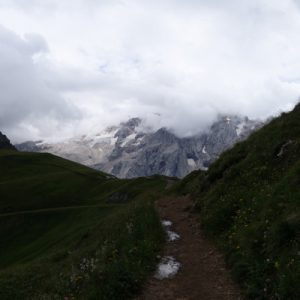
{"x": 203, "y": 275}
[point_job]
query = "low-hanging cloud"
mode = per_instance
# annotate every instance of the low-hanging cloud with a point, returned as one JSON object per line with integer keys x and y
{"x": 25, "y": 100}
{"x": 187, "y": 60}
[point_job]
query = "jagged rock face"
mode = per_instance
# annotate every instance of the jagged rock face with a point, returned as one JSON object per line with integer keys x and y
{"x": 29, "y": 146}
{"x": 127, "y": 151}
{"x": 5, "y": 142}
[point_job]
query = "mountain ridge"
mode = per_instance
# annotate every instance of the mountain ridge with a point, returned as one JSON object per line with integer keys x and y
{"x": 248, "y": 202}
{"x": 130, "y": 150}
{"x": 5, "y": 142}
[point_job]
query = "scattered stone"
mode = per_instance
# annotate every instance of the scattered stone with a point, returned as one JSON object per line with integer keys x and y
{"x": 166, "y": 223}
{"x": 172, "y": 236}
{"x": 284, "y": 147}
{"x": 167, "y": 268}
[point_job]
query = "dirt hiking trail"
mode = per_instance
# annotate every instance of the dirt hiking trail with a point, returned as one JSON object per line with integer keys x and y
{"x": 202, "y": 275}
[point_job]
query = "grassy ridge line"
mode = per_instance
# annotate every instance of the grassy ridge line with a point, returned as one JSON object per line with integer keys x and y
{"x": 37, "y": 211}
{"x": 249, "y": 202}
{"x": 70, "y": 231}
{"x": 40, "y": 181}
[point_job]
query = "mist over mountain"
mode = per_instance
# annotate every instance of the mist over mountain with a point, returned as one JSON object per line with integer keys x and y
{"x": 186, "y": 60}
{"x": 133, "y": 149}
{"x": 149, "y": 149}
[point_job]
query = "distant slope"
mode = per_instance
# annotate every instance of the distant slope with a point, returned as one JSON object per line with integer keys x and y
{"x": 132, "y": 150}
{"x": 5, "y": 142}
{"x": 249, "y": 202}
{"x": 70, "y": 231}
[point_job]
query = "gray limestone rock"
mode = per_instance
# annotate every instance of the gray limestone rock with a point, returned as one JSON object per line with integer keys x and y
{"x": 126, "y": 151}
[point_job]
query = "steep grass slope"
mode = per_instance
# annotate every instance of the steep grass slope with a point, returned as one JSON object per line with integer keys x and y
{"x": 67, "y": 231}
{"x": 249, "y": 202}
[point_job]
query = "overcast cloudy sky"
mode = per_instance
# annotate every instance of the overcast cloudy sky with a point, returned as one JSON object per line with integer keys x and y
{"x": 67, "y": 67}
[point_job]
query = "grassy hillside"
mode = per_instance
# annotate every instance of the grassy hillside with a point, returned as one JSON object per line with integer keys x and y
{"x": 67, "y": 231}
{"x": 70, "y": 232}
{"x": 249, "y": 202}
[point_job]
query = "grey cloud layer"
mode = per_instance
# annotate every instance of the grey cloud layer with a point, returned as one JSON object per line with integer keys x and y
{"x": 188, "y": 60}
{"x": 24, "y": 97}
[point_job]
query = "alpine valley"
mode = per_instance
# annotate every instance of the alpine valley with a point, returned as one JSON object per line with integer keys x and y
{"x": 68, "y": 231}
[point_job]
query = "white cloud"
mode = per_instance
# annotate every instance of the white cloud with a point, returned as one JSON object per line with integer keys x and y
{"x": 188, "y": 60}
{"x": 26, "y": 100}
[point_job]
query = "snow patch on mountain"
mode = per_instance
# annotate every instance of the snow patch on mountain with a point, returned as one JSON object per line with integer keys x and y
{"x": 191, "y": 162}
{"x": 132, "y": 149}
{"x": 240, "y": 128}
{"x": 128, "y": 139}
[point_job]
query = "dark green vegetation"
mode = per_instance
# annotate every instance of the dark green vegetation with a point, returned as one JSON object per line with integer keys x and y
{"x": 249, "y": 202}
{"x": 67, "y": 231}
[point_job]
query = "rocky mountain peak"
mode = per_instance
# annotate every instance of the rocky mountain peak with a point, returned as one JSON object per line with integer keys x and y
{"x": 5, "y": 142}
{"x": 128, "y": 151}
{"x": 132, "y": 123}
{"x": 163, "y": 136}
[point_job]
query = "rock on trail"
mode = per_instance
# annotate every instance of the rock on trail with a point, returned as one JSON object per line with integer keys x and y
{"x": 191, "y": 267}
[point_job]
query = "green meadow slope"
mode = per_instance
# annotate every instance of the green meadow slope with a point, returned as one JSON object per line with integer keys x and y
{"x": 249, "y": 202}
{"x": 70, "y": 232}
{"x": 67, "y": 231}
